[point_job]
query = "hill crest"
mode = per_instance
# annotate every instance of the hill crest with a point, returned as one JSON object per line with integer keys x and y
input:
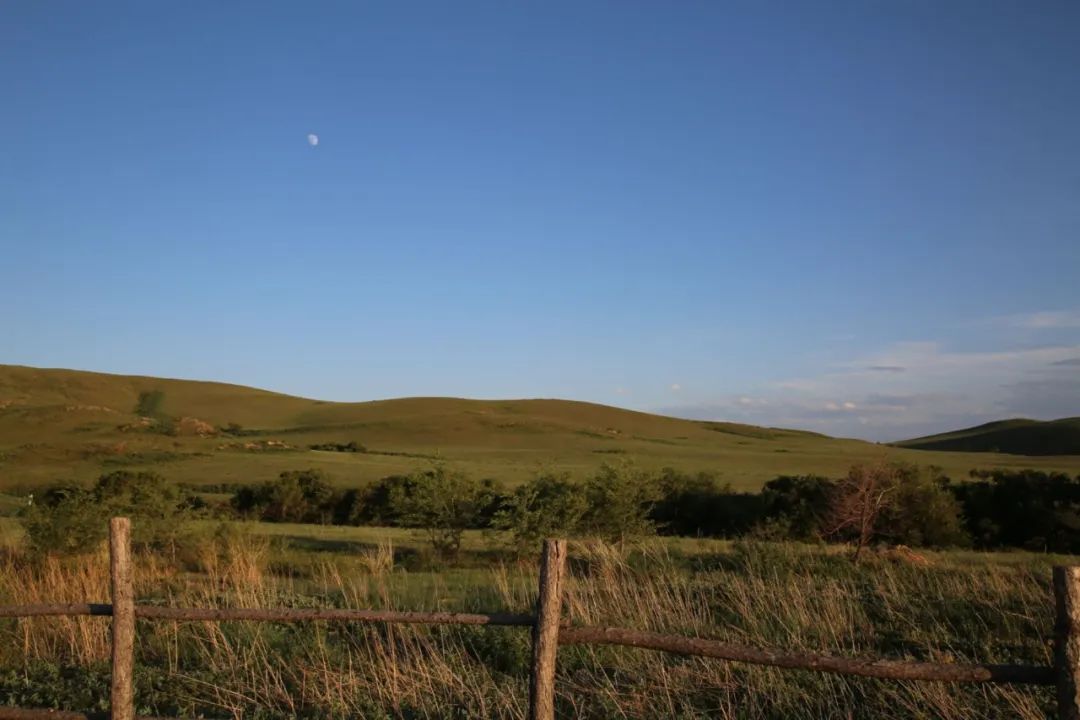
{"x": 64, "y": 425}
{"x": 1017, "y": 436}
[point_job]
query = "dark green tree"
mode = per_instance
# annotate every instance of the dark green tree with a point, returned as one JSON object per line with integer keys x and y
{"x": 443, "y": 502}
{"x": 797, "y": 504}
{"x": 550, "y": 505}
{"x": 64, "y": 519}
{"x": 299, "y": 496}
{"x": 923, "y": 511}
{"x": 620, "y": 498}
{"x": 67, "y": 518}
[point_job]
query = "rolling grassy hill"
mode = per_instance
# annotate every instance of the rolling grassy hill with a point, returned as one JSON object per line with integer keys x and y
{"x": 73, "y": 425}
{"x": 1017, "y": 436}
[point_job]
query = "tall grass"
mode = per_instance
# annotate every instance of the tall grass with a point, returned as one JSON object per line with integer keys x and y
{"x": 959, "y": 608}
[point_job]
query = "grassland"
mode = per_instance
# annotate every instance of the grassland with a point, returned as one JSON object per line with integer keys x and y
{"x": 72, "y": 425}
{"x": 941, "y": 606}
{"x": 1018, "y": 436}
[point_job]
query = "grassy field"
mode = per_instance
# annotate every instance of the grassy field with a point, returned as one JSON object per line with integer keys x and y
{"x": 70, "y": 425}
{"x": 935, "y": 606}
{"x": 1028, "y": 437}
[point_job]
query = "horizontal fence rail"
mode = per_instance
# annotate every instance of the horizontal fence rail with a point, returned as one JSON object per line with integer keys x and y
{"x": 69, "y": 610}
{"x": 883, "y": 669}
{"x": 158, "y": 612}
{"x": 549, "y": 632}
{"x": 584, "y": 635}
{"x": 331, "y": 614}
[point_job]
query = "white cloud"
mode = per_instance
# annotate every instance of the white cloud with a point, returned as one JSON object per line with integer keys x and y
{"x": 939, "y": 389}
{"x": 621, "y": 391}
{"x": 1045, "y": 320}
{"x": 676, "y": 387}
{"x": 312, "y": 139}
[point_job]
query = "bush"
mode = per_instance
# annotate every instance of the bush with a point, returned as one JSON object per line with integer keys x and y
{"x": 349, "y": 508}
{"x": 150, "y": 403}
{"x": 550, "y": 505}
{"x": 620, "y": 498}
{"x": 350, "y": 447}
{"x": 153, "y": 504}
{"x": 70, "y": 519}
{"x": 377, "y": 505}
{"x": 695, "y": 505}
{"x": 899, "y": 504}
{"x": 64, "y": 519}
{"x": 798, "y": 504}
{"x": 1022, "y": 508}
{"x": 923, "y": 511}
{"x": 299, "y": 496}
{"x": 444, "y": 503}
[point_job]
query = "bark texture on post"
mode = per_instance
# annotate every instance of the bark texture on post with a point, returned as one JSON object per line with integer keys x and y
{"x": 122, "y": 704}
{"x": 546, "y": 631}
{"x": 1067, "y": 641}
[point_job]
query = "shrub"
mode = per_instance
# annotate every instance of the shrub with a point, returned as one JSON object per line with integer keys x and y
{"x": 857, "y": 503}
{"x": 1022, "y": 508}
{"x": 896, "y": 502}
{"x": 70, "y": 519}
{"x": 798, "y": 504}
{"x": 550, "y": 505}
{"x": 695, "y": 505}
{"x": 64, "y": 519}
{"x": 300, "y": 496}
{"x": 923, "y": 511}
{"x": 153, "y": 504}
{"x": 349, "y": 508}
{"x": 351, "y": 447}
{"x": 378, "y": 507}
{"x": 444, "y": 502}
{"x": 149, "y": 403}
{"x": 619, "y": 499}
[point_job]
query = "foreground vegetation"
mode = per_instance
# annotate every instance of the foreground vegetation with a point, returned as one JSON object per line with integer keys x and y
{"x": 941, "y": 606}
{"x": 894, "y": 602}
{"x": 881, "y": 503}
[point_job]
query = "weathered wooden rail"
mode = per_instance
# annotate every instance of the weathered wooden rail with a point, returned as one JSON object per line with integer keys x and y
{"x": 548, "y": 632}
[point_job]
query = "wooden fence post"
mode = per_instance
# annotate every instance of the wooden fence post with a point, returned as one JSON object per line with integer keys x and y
{"x": 1067, "y": 641}
{"x": 122, "y": 703}
{"x": 545, "y": 635}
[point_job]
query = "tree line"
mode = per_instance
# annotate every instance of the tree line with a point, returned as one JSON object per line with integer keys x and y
{"x": 890, "y": 503}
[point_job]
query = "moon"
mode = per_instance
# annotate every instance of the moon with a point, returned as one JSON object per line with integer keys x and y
{"x": 312, "y": 139}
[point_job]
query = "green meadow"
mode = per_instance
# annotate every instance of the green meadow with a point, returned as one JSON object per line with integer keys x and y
{"x": 60, "y": 425}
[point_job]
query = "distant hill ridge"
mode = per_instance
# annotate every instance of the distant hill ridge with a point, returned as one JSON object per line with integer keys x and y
{"x": 40, "y": 392}
{"x": 1018, "y": 436}
{"x": 72, "y": 425}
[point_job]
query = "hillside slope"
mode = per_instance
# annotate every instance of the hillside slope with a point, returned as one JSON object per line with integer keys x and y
{"x": 59, "y": 399}
{"x": 73, "y": 425}
{"x": 1018, "y": 437}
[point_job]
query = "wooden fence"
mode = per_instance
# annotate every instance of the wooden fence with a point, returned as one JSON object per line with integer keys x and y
{"x": 548, "y": 632}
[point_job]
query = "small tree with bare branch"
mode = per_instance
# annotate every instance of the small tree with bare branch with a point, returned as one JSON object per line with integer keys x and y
{"x": 858, "y": 503}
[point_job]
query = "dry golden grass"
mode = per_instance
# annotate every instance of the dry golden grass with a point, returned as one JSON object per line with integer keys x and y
{"x": 800, "y": 598}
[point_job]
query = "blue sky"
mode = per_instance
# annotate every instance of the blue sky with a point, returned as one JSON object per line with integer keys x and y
{"x": 855, "y": 217}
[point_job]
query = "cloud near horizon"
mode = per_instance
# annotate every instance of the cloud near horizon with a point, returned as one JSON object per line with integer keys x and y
{"x": 910, "y": 389}
{"x": 1042, "y": 320}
